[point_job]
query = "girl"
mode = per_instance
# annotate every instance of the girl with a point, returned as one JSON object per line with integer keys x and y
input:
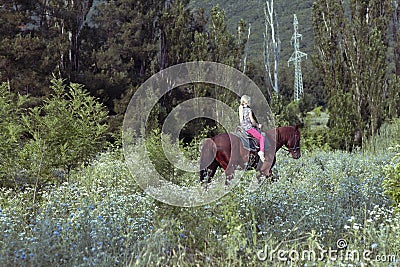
{"x": 249, "y": 124}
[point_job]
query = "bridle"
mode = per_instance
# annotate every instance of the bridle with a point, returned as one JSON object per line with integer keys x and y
{"x": 295, "y": 147}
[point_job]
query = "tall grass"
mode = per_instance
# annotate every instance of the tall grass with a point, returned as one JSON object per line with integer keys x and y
{"x": 101, "y": 218}
{"x": 388, "y": 136}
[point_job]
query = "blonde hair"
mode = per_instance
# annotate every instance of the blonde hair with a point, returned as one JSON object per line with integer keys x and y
{"x": 245, "y": 100}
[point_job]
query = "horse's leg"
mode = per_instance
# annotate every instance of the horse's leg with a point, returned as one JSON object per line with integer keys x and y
{"x": 239, "y": 159}
{"x": 208, "y": 164}
{"x": 213, "y": 169}
{"x": 266, "y": 170}
{"x": 230, "y": 174}
{"x": 223, "y": 160}
{"x": 272, "y": 178}
{"x": 209, "y": 172}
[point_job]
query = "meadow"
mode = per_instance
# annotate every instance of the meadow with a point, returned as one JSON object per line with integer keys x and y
{"x": 327, "y": 209}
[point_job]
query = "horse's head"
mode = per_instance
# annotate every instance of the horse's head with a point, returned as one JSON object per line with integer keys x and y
{"x": 293, "y": 142}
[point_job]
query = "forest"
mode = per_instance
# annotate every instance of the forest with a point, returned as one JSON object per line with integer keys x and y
{"x": 69, "y": 69}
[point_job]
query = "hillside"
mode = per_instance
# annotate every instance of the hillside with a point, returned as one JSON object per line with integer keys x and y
{"x": 252, "y": 12}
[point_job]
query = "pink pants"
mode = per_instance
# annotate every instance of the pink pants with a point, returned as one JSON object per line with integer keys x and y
{"x": 258, "y": 135}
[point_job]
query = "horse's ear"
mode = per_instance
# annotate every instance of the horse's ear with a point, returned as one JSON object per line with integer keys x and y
{"x": 298, "y": 126}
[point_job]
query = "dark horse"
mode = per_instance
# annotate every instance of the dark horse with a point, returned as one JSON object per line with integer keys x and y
{"x": 227, "y": 151}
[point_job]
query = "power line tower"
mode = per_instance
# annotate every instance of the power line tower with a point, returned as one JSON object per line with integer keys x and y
{"x": 296, "y": 58}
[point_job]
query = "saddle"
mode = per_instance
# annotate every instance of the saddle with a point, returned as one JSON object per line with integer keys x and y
{"x": 249, "y": 142}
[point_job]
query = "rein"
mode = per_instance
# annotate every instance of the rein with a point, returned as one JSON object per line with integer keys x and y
{"x": 295, "y": 147}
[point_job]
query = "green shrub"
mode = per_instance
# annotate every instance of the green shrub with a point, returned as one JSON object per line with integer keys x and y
{"x": 317, "y": 111}
{"x": 313, "y": 139}
{"x": 11, "y": 130}
{"x": 154, "y": 147}
{"x": 392, "y": 180}
{"x": 388, "y": 136}
{"x": 65, "y": 132}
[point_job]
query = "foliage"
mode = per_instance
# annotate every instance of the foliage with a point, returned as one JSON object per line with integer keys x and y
{"x": 285, "y": 113}
{"x": 314, "y": 139}
{"x": 155, "y": 149}
{"x": 113, "y": 46}
{"x": 175, "y": 40}
{"x": 18, "y": 52}
{"x": 352, "y": 58}
{"x": 392, "y": 181}
{"x": 150, "y": 36}
{"x": 314, "y": 133}
{"x": 86, "y": 222}
{"x": 388, "y": 136}
{"x": 65, "y": 132}
{"x": 102, "y": 218}
{"x": 393, "y": 101}
{"x": 110, "y": 46}
{"x": 43, "y": 38}
{"x": 252, "y": 12}
{"x": 11, "y": 130}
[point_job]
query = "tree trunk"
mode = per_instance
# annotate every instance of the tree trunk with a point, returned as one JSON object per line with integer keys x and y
{"x": 271, "y": 45}
{"x": 395, "y": 26}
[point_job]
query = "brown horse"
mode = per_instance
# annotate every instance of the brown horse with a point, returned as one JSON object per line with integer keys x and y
{"x": 227, "y": 151}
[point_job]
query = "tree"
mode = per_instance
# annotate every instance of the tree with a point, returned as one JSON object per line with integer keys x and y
{"x": 328, "y": 22}
{"x": 175, "y": 27}
{"x": 391, "y": 184}
{"x": 132, "y": 40}
{"x": 20, "y": 64}
{"x": 396, "y": 39}
{"x": 67, "y": 131}
{"x": 62, "y": 21}
{"x": 394, "y": 88}
{"x": 23, "y": 59}
{"x": 246, "y": 47}
{"x": 126, "y": 32}
{"x": 272, "y": 45}
{"x": 44, "y": 143}
{"x": 352, "y": 59}
{"x": 365, "y": 50}
{"x": 40, "y": 38}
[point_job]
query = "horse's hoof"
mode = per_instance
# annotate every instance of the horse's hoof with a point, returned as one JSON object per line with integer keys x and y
{"x": 274, "y": 179}
{"x": 228, "y": 180}
{"x": 204, "y": 185}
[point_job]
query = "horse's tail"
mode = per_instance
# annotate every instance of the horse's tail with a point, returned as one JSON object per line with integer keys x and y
{"x": 208, "y": 152}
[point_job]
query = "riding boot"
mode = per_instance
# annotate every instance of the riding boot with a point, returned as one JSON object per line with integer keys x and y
{"x": 261, "y": 155}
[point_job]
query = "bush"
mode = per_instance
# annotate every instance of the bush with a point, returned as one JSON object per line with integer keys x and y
{"x": 156, "y": 154}
{"x": 392, "y": 180}
{"x": 315, "y": 139}
{"x": 63, "y": 133}
{"x": 11, "y": 130}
